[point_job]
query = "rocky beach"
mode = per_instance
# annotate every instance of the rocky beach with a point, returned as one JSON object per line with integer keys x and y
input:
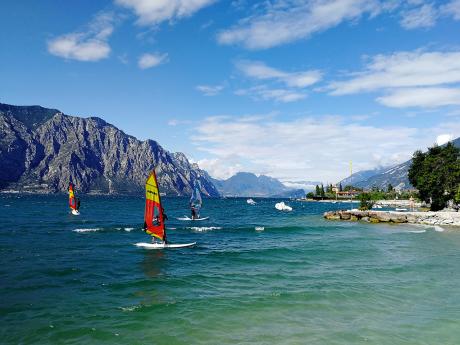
{"x": 414, "y": 217}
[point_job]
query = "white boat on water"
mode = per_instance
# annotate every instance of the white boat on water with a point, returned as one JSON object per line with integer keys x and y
{"x": 251, "y": 202}
{"x": 400, "y": 209}
{"x": 281, "y": 206}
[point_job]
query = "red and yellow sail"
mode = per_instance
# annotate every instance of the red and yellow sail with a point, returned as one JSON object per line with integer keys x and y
{"x": 153, "y": 216}
{"x": 72, "y": 200}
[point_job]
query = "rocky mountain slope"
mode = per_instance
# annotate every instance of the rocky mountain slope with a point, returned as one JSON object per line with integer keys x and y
{"x": 397, "y": 176}
{"x": 362, "y": 176}
{"x": 42, "y": 149}
{"x": 246, "y": 184}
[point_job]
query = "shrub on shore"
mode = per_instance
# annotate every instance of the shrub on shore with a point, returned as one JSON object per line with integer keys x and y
{"x": 366, "y": 201}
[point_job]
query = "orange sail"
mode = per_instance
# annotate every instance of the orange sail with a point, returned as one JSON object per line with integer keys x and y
{"x": 72, "y": 200}
{"x": 153, "y": 216}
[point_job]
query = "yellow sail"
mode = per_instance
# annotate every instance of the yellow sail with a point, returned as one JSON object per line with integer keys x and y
{"x": 153, "y": 216}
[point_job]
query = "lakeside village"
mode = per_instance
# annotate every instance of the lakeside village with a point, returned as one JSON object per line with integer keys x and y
{"x": 435, "y": 200}
{"x": 391, "y": 197}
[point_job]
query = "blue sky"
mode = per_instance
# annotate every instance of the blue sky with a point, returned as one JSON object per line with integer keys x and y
{"x": 290, "y": 88}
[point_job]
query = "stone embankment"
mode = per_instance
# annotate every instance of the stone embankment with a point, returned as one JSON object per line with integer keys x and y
{"x": 429, "y": 218}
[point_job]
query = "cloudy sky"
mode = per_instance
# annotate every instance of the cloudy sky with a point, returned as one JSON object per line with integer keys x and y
{"x": 295, "y": 89}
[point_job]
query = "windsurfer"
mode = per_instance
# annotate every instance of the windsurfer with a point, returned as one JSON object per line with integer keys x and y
{"x": 193, "y": 212}
{"x": 78, "y": 204}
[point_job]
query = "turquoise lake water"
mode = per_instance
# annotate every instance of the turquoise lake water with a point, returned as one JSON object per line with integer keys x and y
{"x": 302, "y": 280}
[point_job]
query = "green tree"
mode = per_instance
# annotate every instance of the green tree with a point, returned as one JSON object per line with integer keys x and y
{"x": 340, "y": 187}
{"x": 366, "y": 201}
{"x": 310, "y": 195}
{"x": 389, "y": 188}
{"x": 436, "y": 174}
{"x": 322, "y": 191}
{"x": 317, "y": 191}
{"x": 457, "y": 195}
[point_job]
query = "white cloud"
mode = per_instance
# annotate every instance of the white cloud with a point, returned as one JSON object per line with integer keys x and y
{"x": 278, "y": 22}
{"x": 292, "y": 82}
{"x": 262, "y": 92}
{"x": 210, "y": 90}
{"x": 151, "y": 12}
{"x": 317, "y": 149}
{"x": 444, "y": 139}
{"x": 424, "y": 16}
{"x": 287, "y": 21}
{"x": 149, "y": 60}
{"x": 88, "y": 45}
{"x": 452, "y": 9}
{"x": 260, "y": 71}
{"x": 218, "y": 168}
{"x": 403, "y": 69}
{"x": 407, "y": 79}
{"x": 305, "y": 185}
{"x": 177, "y": 122}
{"x": 427, "y": 97}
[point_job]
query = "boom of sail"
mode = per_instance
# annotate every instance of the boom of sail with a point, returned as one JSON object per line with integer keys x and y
{"x": 153, "y": 216}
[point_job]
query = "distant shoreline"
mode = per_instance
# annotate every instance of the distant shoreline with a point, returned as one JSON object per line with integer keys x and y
{"x": 383, "y": 203}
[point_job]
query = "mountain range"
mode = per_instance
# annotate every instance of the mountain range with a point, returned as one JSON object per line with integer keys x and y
{"x": 381, "y": 177}
{"x": 245, "y": 184}
{"x": 42, "y": 149}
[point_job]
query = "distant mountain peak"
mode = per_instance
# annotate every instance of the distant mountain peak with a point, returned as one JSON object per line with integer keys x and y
{"x": 31, "y": 116}
{"x": 246, "y": 184}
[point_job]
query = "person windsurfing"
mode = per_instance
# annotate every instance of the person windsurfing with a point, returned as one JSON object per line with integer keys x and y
{"x": 195, "y": 200}
{"x": 154, "y": 218}
{"x": 154, "y": 215}
{"x": 192, "y": 209}
{"x": 74, "y": 204}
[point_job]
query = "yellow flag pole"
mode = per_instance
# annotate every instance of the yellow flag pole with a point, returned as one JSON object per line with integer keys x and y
{"x": 351, "y": 183}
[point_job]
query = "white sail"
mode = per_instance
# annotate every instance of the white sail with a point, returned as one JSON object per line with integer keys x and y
{"x": 196, "y": 201}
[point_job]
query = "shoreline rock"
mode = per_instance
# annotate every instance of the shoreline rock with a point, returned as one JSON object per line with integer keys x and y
{"x": 415, "y": 217}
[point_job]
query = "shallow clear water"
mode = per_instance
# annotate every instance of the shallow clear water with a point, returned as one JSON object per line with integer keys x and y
{"x": 303, "y": 280}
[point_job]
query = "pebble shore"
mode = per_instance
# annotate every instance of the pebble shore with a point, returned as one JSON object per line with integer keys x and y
{"x": 428, "y": 218}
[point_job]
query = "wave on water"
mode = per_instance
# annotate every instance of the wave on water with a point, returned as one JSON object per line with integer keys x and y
{"x": 87, "y": 230}
{"x": 417, "y": 231}
{"x": 101, "y": 229}
{"x": 131, "y": 308}
{"x": 204, "y": 228}
{"x": 424, "y": 227}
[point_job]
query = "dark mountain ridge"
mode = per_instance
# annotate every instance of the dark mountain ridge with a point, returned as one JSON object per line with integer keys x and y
{"x": 42, "y": 149}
